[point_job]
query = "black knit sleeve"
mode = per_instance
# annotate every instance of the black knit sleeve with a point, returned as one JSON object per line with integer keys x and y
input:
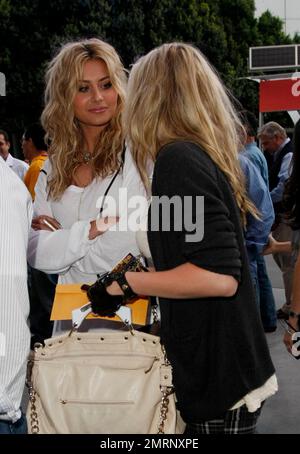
{"x": 183, "y": 169}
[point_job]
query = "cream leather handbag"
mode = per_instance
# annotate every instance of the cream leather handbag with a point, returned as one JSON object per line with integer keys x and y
{"x": 101, "y": 383}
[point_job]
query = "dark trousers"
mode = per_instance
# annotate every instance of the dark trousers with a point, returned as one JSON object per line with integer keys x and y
{"x": 263, "y": 291}
{"x": 266, "y": 297}
{"x": 41, "y": 292}
{"x": 9, "y": 428}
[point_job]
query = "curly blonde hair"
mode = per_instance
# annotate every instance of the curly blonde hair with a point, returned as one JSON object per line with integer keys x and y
{"x": 63, "y": 131}
{"x": 174, "y": 94}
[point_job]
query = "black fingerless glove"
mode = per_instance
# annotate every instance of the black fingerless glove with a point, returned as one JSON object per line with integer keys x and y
{"x": 102, "y": 303}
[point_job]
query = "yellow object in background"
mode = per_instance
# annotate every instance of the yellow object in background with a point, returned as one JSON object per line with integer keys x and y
{"x": 33, "y": 172}
{"x": 70, "y": 296}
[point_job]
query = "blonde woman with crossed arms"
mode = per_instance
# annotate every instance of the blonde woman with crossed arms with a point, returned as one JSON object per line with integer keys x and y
{"x": 84, "y": 102}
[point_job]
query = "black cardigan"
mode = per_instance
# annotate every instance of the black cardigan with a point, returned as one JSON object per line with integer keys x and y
{"x": 216, "y": 346}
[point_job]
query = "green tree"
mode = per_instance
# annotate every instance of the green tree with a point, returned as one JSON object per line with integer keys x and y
{"x": 190, "y": 21}
{"x": 127, "y": 28}
{"x": 270, "y": 30}
{"x": 31, "y": 31}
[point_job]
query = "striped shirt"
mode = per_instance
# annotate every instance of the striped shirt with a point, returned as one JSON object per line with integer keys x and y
{"x": 18, "y": 166}
{"x": 15, "y": 219}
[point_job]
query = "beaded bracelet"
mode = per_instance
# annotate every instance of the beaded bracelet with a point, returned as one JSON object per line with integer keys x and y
{"x": 128, "y": 263}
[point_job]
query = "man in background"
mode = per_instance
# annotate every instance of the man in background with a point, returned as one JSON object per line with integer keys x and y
{"x": 35, "y": 152}
{"x": 18, "y": 166}
{"x": 263, "y": 203}
{"x": 41, "y": 285}
{"x": 15, "y": 220}
{"x": 279, "y": 152}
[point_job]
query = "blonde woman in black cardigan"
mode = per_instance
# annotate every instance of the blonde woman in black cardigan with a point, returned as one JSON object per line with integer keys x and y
{"x": 179, "y": 116}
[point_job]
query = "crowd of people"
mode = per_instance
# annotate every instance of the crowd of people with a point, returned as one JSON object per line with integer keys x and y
{"x": 171, "y": 131}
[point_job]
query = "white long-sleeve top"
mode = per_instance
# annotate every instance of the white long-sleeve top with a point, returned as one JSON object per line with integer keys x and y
{"x": 68, "y": 251}
{"x": 15, "y": 220}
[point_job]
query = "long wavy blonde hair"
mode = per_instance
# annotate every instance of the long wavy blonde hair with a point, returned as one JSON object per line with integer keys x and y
{"x": 63, "y": 131}
{"x": 174, "y": 94}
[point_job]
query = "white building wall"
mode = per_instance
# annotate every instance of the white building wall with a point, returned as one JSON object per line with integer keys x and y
{"x": 287, "y": 10}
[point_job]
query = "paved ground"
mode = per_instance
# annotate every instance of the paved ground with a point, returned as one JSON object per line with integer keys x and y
{"x": 281, "y": 413}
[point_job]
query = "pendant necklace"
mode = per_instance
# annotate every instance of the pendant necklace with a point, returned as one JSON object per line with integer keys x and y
{"x": 87, "y": 157}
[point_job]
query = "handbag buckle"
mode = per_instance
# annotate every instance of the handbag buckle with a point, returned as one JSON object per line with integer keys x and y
{"x": 78, "y": 315}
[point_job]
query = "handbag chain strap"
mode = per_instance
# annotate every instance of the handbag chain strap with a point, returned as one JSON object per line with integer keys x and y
{"x": 154, "y": 307}
{"x": 165, "y": 390}
{"x": 34, "y": 422}
{"x": 164, "y": 404}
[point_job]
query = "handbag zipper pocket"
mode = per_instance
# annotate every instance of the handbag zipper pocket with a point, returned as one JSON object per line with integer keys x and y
{"x": 111, "y": 354}
{"x": 101, "y": 402}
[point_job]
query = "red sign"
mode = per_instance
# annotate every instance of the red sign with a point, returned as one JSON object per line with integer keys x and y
{"x": 277, "y": 95}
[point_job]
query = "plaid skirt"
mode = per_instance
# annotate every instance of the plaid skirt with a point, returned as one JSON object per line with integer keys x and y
{"x": 239, "y": 421}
